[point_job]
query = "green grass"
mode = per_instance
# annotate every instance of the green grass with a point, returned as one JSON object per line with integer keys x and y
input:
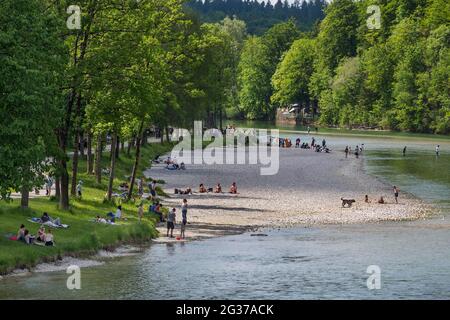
{"x": 83, "y": 237}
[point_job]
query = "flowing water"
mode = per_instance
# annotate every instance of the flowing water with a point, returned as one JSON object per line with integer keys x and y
{"x": 323, "y": 262}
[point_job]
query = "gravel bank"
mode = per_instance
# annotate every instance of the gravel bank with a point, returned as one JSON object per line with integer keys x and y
{"x": 306, "y": 191}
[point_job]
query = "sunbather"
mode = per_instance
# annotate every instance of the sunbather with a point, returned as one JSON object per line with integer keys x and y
{"x": 158, "y": 211}
{"x": 101, "y": 220}
{"x": 29, "y": 239}
{"x": 45, "y": 217}
{"x": 41, "y": 234}
{"x": 21, "y": 233}
{"x": 49, "y": 242}
{"x": 233, "y": 188}
{"x": 218, "y": 188}
{"x": 202, "y": 189}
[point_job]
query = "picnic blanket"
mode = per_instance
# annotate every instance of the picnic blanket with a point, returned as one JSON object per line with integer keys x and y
{"x": 48, "y": 223}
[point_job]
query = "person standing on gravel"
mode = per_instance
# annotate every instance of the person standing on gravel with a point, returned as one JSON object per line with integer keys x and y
{"x": 396, "y": 194}
{"x": 184, "y": 218}
{"x": 171, "y": 217}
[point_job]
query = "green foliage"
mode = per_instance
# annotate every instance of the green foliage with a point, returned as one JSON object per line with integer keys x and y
{"x": 259, "y": 60}
{"x": 29, "y": 86}
{"x": 260, "y": 15}
{"x": 292, "y": 77}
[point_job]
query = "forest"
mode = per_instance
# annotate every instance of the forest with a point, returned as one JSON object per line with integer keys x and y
{"x": 393, "y": 76}
{"x": 259, "y": 16}
{"x": 115, "y": 68}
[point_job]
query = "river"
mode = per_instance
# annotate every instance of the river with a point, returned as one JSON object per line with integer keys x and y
{"x": 320, "y": 262}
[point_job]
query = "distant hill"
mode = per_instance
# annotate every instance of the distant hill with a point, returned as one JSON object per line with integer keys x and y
{"x": 260, "y": 16}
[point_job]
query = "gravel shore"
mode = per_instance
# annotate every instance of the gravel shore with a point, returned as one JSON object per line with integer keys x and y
{"x": 307, "y": 190}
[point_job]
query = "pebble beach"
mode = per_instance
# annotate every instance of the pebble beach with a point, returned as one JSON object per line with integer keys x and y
{"x": 307, "y": 190}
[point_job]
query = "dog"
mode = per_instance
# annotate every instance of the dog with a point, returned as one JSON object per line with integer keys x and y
{"x": 348, "y": 202}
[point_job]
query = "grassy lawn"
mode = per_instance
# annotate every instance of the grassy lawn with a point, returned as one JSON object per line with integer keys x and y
{"x": 83, "y": 237}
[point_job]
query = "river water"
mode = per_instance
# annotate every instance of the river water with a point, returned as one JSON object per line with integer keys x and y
{"x": 320, "y": 262}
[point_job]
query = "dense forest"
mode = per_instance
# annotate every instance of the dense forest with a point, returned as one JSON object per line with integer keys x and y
{"x": 259, "y": 16}
{"x": 393, "y": 76}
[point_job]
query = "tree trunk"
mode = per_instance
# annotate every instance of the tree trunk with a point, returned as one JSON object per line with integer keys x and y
{"x": 73, "y": 189}
{"x": 144, "y": 138}
{"x": 167, "y": 133}
{"x": 112, "y": 167}
{"x": 136, "y": 160}
{"x": 57, "y": 188}
{"x": 25, "y": 195}
{"x": 130, "y": 144}
{"x": 122, "y": 145}
{"x": 82, "y": 149}
{"x": 221, "y": 119}
{"x": 90, "y": 158}
{"x": 64, "y": 181}
{"x": 117, "y": 147}
{"x": 98, "y": 159}
{"x": 162, "y": 135}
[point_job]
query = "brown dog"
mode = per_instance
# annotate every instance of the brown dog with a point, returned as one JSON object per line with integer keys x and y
{"x": 348, "y": 202}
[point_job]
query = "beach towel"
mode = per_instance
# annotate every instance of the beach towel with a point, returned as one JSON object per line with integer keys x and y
{"x": 48, "y": 223}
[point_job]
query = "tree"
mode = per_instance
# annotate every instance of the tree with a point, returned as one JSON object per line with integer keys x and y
{"x": 253, "y": 84}
{"x": 293, "y": 74}
{"x": 29, "y": 97}
{"x": 259, "y": 61}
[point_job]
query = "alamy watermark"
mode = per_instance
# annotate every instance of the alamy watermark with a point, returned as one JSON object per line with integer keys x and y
{"x": 374, "y": 280}
{"x": 74, "y": 20}
{"x": 74, "y": 280}
{"x": 374, "y": 20}
{"x": 235, "y": 147}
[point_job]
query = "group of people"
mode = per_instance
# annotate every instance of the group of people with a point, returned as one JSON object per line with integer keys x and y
{"x": 358, "y": 150}
{"x": 172, "y": 219}
{"x": 172, "y": 164}
{"x": 287, "y": 143}
{"x": 217, "y": 189}
{"x": 43, "y": 237}
{"x": 111, "y": 217}
{"x": 381, "y": 200}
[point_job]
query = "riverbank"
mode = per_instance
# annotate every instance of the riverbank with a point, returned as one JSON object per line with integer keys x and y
{"x": 83, "y": 238}
{"x": 306, "y": 191}
{"x": 368, "y": 133}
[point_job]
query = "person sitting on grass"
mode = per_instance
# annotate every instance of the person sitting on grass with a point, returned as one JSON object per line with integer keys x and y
{"x": 233, "y": 188}
{"x": 218, "y": 188}
{"x": 21, "y": 233}
{"x": 49, "y": 242}
{"x": 118, "y": 214}
{"x": 100, "y": 220}
{"x": 157, "y": 209}
{"x": 41, "y": 234}
{"x": 202, "y": 188}
{"x": 29, "y": 239}
{"x": 45, "y": 217}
